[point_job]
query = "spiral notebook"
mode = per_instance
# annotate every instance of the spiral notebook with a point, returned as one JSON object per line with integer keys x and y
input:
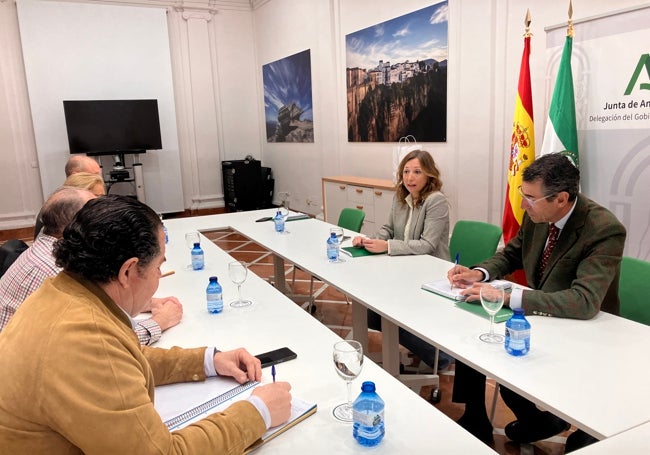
{"x": 443, "y": 288}
{"x": 181, "y": 404}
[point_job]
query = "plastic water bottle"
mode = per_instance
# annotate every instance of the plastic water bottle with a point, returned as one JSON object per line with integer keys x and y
{"x": 214, "y": 296}
{"x": 517, "y": 333}
{"x": 164, "y": 229}
{"x": 198, "y": 260}
{"x": 279, "y": 222}
{"x": 333, "y": 248}
{"x": 368, "y": 416}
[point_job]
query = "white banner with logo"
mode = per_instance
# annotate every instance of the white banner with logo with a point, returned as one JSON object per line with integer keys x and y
{"x": 611, "y": 71}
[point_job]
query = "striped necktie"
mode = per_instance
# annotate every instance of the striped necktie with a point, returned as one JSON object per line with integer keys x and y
{"x": 553, "y": 234}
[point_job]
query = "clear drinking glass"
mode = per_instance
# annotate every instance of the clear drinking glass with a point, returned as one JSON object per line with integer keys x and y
{"x": 191, "y": 238}
{"x": 492, "y": 301}
{"x": 338, "y": 231}
{"x": 348, "y": 361}
{"x": 237, "y": 272}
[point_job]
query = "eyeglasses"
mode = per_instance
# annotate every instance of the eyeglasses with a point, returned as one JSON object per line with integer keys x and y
{"x": 529, "y": 201}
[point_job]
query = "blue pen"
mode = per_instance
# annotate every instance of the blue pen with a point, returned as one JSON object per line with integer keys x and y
{"x": 273, "y": 372}
{"x": 455, "y": 265}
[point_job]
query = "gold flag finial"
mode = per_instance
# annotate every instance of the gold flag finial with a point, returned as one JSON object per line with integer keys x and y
{"x": 527, "y": 22}
{"x": 569, "y": 30}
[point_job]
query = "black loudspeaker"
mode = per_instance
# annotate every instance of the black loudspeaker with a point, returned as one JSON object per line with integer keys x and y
{"x": 246, "y": 185}
{"x": 266, "y": 187}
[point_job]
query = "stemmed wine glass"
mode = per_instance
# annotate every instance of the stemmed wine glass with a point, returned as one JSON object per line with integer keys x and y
{"x": 237, "y": 271}
{"x": 191, "y": 238}
{"x": 492, "y": 301}
{"x": 348, "y": 361}
{"x": 338, "y": 231}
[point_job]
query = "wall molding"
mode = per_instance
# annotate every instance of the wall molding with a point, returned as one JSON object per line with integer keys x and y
{"x": 17, "y": 220}
{"x": 180, "y": 5}
{"x": 194, "y": 14}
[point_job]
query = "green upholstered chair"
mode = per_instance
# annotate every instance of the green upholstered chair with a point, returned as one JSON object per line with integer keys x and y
{"x": 473, "y": 241}
{"x": 633, "y": 290}
{"x": 351, "y": 219}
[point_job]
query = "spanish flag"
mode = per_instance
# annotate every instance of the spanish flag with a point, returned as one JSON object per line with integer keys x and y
{"x": 522, "y": 145}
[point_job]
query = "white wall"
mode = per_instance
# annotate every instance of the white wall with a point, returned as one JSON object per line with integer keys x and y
{"x": 217, "y": 52}
{"x": 213, "y": 64}
{"x": 77, "y": 51}
{"x": 485, "y": 47}
{"x": 20, "y": 182}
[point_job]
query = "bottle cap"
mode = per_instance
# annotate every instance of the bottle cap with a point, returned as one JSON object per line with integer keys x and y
{"x": 368, "y": 386}
{"x": 197, "y": 245}
{"x": 213, "y": 278}
{"x": 518, "y": 311}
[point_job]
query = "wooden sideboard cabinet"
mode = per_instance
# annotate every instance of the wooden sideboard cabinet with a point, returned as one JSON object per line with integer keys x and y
{"x": 373, "y": 196}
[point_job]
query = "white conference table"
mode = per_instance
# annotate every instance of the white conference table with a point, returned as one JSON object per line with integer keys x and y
{"x": 274, "y": 321}
{"x": 571, "y": 366}
{"x": 630, "y": 442}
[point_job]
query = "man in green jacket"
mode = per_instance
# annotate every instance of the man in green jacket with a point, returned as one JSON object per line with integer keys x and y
{"x": 577, "y": 278}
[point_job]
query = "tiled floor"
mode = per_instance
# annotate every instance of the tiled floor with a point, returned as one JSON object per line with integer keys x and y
{"x": 335, "y": 313}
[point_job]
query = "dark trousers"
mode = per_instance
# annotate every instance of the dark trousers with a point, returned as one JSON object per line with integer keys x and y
{"x": 469, "y": 388}
{"x": 417, "y": 346}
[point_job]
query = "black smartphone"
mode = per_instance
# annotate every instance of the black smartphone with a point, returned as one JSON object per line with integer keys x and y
{"x": 276, "y": 356}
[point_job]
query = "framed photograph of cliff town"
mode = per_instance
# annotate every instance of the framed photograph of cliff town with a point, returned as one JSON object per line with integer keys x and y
{"x": 396, "y": 74}
{"x": 287, "y": 99}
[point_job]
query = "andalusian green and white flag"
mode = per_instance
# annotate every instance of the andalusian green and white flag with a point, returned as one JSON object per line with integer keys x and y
{"x": 561, "y": 134}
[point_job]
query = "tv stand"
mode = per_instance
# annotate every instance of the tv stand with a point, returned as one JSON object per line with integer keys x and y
{"x": 120, "y": 173}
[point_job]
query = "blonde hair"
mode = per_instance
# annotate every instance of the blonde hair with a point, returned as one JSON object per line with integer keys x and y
{"x": 84, "y": 181}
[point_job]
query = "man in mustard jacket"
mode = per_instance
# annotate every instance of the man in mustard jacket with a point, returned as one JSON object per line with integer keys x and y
{"x": 74, "y": 376}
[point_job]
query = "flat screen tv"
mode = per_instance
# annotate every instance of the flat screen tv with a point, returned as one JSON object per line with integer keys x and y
{"x": 98, "y": 127}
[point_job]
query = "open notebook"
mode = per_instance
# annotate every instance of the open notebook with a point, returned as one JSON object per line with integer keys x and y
{"x": 182, "y": 404}
{"x": 443, "y": 288}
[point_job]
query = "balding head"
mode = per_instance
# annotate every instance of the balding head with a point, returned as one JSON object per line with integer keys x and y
{"x": 81, "y": 163}
{"x": 61, "y": 207}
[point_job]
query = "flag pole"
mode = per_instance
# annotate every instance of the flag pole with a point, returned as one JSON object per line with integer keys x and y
{"x": 527, "y": 21}
{"x": 569, "y": 30}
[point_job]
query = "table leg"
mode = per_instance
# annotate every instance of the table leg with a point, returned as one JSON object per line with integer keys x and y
{"x": 360, "y": 324}
{"x": 390, "y": 346}
{"x": 278, "y": 274}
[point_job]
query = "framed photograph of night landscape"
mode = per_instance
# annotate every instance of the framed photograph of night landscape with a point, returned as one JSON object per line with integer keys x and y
{"x": 287, "y": 99}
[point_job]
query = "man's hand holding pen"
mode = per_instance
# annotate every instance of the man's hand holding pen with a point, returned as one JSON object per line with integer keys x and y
{"x": 463, "y": 277}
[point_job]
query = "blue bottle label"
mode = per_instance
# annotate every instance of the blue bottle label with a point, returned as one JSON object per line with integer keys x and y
{"x": 517, "y": 338}
{"x": 368, "y": 418}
